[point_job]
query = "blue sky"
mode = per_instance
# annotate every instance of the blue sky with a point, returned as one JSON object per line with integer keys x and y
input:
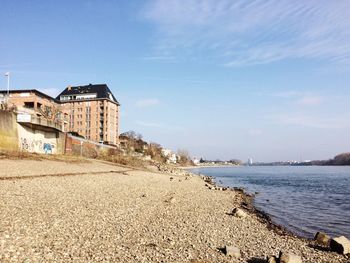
{"x": 267, "y": 79}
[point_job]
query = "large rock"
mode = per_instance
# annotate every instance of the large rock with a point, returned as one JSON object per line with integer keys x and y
{"x": 322, "y": 239}
{"x": 238, "y": 212}
{"x": 233, "y": 251}
{"x": 289, "y": 258}
{"x": 341, "y": 245}
{"x": 271, "y": 259}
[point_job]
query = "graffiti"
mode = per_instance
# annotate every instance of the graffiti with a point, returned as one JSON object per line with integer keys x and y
{"x": 48, "y": 148}
{"x": 24, "y": 144}
{"x": 36, "y": 146}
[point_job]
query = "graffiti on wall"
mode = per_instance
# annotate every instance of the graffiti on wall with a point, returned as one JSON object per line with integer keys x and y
{"x": 33, "y": 145}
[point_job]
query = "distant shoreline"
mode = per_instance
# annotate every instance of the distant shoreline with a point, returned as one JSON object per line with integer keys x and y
{"x": 209, "y": 166}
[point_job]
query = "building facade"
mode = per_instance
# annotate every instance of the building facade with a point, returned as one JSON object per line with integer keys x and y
{"x": 40, "y": 106}
{"x": 93, "y": 112}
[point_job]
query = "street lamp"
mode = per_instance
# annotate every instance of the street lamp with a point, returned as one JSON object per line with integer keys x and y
{"x": 7, "y": 74}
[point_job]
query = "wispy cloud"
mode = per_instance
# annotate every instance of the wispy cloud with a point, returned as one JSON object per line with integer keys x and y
{"x": 300, "y": 98}
{"x": 240, "y": 33}
{"x": 148, "y": 124}
{"x": 311, "y": 121}
{"x": 310, "y": 101}
{"x": 147, "y": 102}
{"x": 168, "y": 59}
{"x": 287, "y": 94}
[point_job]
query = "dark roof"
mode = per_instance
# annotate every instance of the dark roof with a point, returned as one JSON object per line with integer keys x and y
{"x": 101, "y": 90}
{"x": 30, "y": 90}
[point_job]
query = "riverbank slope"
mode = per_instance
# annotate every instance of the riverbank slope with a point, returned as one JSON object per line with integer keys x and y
{"x": 95, "y": 211}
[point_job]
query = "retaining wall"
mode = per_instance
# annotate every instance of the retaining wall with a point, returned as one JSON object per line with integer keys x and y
{"x": 8, "y": 131}
{"x": 80, "y": 146}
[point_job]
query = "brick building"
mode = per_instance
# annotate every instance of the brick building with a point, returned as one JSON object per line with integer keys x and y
{"x": 93, "y": 112}
{"x": 37, "y": 104}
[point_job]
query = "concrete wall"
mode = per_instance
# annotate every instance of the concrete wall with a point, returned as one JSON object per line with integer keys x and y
{"x": 79, "y": 146}
{"x": 39, "y": 141}
{"x": 8, "y": 131}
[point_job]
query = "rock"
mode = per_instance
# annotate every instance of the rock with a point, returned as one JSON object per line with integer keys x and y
{"x": 340, "y": 244}
{"x": 289, "y": 258}
{"x": 271, "y": 259}
{"x": 233, "y": 251}
{"x": 322, "y": 239}
{"x": 238, "y": 212}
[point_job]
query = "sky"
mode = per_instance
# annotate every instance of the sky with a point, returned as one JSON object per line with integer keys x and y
{"x": 223, "y": 79}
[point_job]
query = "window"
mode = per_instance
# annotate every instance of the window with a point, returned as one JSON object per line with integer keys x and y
{"x": 29, "y": 105}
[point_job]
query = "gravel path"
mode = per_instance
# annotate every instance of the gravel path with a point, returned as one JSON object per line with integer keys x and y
{"x": 132, "y": 216}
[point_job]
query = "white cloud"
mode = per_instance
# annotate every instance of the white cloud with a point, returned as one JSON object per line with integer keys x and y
{"x": 241, "y": 33}
{"x": 147, "y": 102}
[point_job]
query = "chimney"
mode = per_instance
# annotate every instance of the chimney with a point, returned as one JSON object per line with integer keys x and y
{"x": 69, "y": 87}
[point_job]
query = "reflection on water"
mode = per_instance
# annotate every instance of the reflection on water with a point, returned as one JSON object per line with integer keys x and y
{"x": 303, "y": 199}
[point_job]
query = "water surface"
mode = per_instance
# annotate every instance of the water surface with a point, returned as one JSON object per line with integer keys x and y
{"x": 304, "y": 199}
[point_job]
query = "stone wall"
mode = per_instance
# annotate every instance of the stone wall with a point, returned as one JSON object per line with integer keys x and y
{"x": 8, "y": 131}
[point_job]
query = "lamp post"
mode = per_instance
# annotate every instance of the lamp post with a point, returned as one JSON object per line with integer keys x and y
{"x": 7, "y": 74}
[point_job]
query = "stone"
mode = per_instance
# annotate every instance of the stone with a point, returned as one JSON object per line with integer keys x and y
{"x": 322, "y": 239}
{"x": 340, "y": 244}
{"x": 238, "y": 212}
{"x": 233, "y": 251}
{"x": 271, "y": 259}
{"x": 289, "y": 258}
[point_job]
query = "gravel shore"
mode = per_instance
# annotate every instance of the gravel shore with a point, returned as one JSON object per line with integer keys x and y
{"x": 108, "y": 213}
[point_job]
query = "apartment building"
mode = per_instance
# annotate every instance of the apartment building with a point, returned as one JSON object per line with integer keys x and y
{"x": 93, "y": 112}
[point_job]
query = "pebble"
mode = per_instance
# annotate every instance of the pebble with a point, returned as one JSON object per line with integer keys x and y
{"x": 340, "y": 244}
{"x": 233, "y": 251}
{"x": 322, "y": 239}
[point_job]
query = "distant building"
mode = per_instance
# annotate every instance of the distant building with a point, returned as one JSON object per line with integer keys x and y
{"x": 196, "y": 161}
{"x": 93, "y": 112}
{"x": 250, "y": 161}
{"x": 169, "y": 156}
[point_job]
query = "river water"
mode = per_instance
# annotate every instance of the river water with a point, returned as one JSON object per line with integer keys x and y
{"x": 304, "y": 199}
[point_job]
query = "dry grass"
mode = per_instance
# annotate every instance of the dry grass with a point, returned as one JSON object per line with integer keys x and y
{"x": 21, "y": 155}
{"x": 124, "y": 160}
{"x": 116, "y": 156}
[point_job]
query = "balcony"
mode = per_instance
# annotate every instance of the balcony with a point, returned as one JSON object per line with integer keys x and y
{"x": 38, "y": 122}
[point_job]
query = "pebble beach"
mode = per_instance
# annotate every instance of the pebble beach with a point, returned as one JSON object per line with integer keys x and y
{"x": 55, "y": 211}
